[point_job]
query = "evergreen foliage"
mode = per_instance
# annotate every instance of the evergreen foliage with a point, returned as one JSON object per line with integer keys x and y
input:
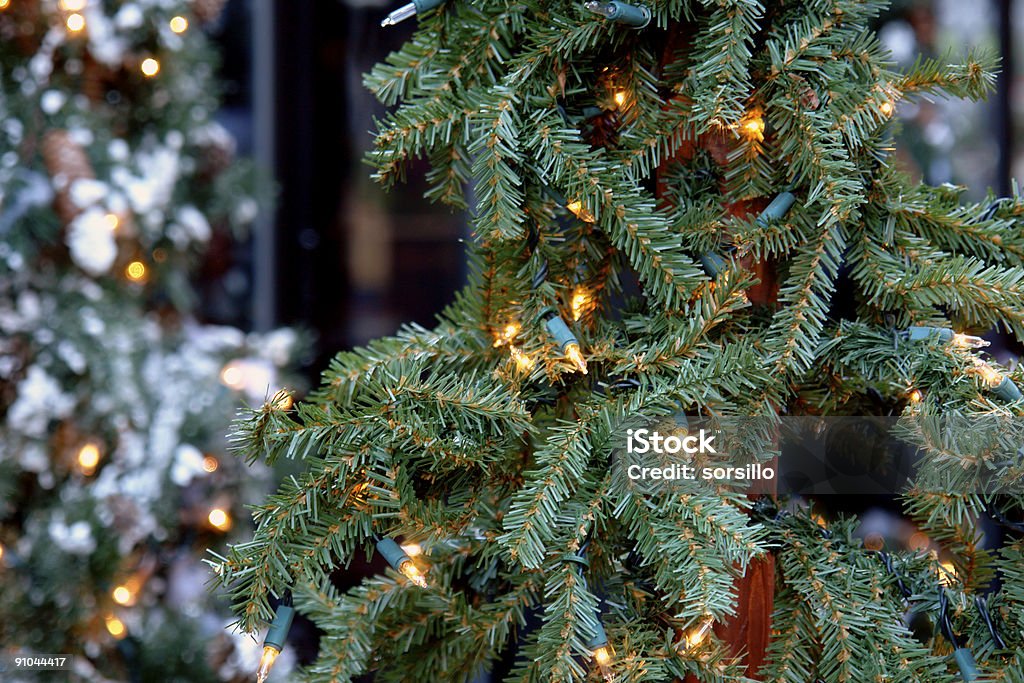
{"x": 609, "y": 161}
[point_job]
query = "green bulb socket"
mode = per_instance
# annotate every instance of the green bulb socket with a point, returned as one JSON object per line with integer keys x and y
{"x": 599, "y": 639}
{"x": 776, "y": 209}
{"x": 279, "y": 627}
{"x": 712, "y": 263}
{"x": 923, "y": 333}
{"x": 628, "y": 15}
{"x": 426, "y": 5}
{"x": 392, "y": 553}
{"x": 968, "y": 667}
{"x": 1007, "y": 390}
{"x": 561, "y": 333}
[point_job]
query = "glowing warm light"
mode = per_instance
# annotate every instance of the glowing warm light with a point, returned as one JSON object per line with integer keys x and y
{"x": 751, "y": 126}
{"x": 122, "y": 595}
{"x": 179, "y": 24}
{"x": 413, "y": 573}
{"x": 210, "y": 464}
{"x": 580, "y": 211}
{"x": 136, "y": 271}
{"x": 89, "y": 458}
{"x": 112, "y": 221}
{"x": 966, "y": 341}
{"x": 947, "y": 574}
{"x": 992, "y": 377}
{"x": 620, "y": 97}
{"x": 603, "y": 657}
{"x": 150, "y": 67}
{"x": 886, "y": 108}
{"x": 266, "y": 663}
{"x": 75, "y": 22}
{"x": 575, "y": 356}
{"x": 523, "y": 362}
{"x": 219, "y": 519}
{"x": 695, "y": 637}
{"x": 4, "y": 4}
{"x": 412, "y": 549}
{"x": 232, "y": 375}
{"x": 72, "y": 5}
{"x": 283, "y": 400}
{"x": 874, "y": 542}
{"x": 580, "y": 302}
{"x": 915, "y": 396}
{"x": 115, "y": 626}
{"x": 507, "y": 334}
{"x": 820, "y": 521}
{"x": 1, "y": 552}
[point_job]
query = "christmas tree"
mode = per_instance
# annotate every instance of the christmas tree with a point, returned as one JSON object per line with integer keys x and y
{"x": 114, "y": 399}
{"x": 684, "y": 214}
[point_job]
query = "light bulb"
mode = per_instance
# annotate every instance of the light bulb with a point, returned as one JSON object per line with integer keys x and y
{"x": 695, "y": 637}
{"x": 580, "y": 211}
{"x": 112, "y": 221}
{"x": 4, "y": 4}
{"x": 523, "y": 362}
{"x": 412, "y": 549}
{"x": 580, "y": 302}
{"x": 966, "y": 341}
{"x": 413, "y": 573}
{"x": 947, "y": 574}
{"x": 399, "y": 15}
{"x": 89, "y": 458}
{"x": 270, "y": 654}
{"x": 620, "y": 97}
{"x": 179, "y": 24}
{"x": 603, "y": 659}
{"x": 886, "y": 108}
{"x": 915, "y": 396}
{"x": 150, "y": 67}
{"x": 115, "y": 626}
{"x": 751, "y": 126}
{"x": 1, "y": 553}
{"x": 136, "y": 271}
{"x": 575, "y": 356}
{"x": 219, "y": 519}
{"x": 507, "y": 334}
{"x": 75, "y": 22}
{"x": 992, "y": 377}
{"x": 72, "y": 5}
{"x": 210, "y": 464}
{"x": 122, "y": 595}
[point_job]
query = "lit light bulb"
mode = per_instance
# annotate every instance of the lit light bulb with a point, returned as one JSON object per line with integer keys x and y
{"x": 603, "y": 659}
{"x": 136, "y": 271}
{"x": 947, "y": 574}
{"x": 210, "y": 464}
{"x": 72, "y": 5}
{"x": 150, "y": 67}
{"x": 992, "y": 377}
{"x": 89, "y": 458}
{"x": 1, "y": 554}
{"x": 412, "y": 549}
{"x": 507, "y": 334}
{"x": 580, "y": 211}
{"x": 915, "y": 396}
{"x": 575, "y": 356}
{"x": 283, "y": 400}
{"x": 413, "y": 573}
{"x": 219, "y": 519}
{"x": 580, "y": 302}
{"x": 620, "y": 97}
{"x": 112, "y": 221}
{"x": 179, "y": 24}
{"x": 266, "y": 663}
{"x": 123, "y": 595}
{"x": 523, "y": 362}
{"x": 695, "y": 637}
{"x": 751, "y": 126}
{"x": 75, "y": 22}
{"x": 4, "y": 4}
{"x": 115, "y": 626}
{"x": 966, "y": 341}
{"x": 886, "y": 108}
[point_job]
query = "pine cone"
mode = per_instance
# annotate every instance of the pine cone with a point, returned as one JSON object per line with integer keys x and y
{"x": 207, "y": 11}
{"x": 67, "y": 162}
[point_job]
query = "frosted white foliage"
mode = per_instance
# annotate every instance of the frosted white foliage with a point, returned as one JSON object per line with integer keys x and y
{"x": 86, "y": 191}
{"x": 129, "y": 16}
{"x": 188, "y": 464}
{"x": 52, "y": 100}
{"x": 91, "y": 241}
{"x": 40, "y": 400}
{"x": 196, "y": 226}
{"x": 75, "y": 538}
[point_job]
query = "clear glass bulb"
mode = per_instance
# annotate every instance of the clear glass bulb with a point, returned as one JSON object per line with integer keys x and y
{"x": 413, "y": 573}
{"x": 575, "y": 356}
{"x": 399, "y": 15}
{"x": 603, "y": 657}
{"x": 966, "y": 341}
{"x": 266, "y": 663}
{"x": 605, "y": 9}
